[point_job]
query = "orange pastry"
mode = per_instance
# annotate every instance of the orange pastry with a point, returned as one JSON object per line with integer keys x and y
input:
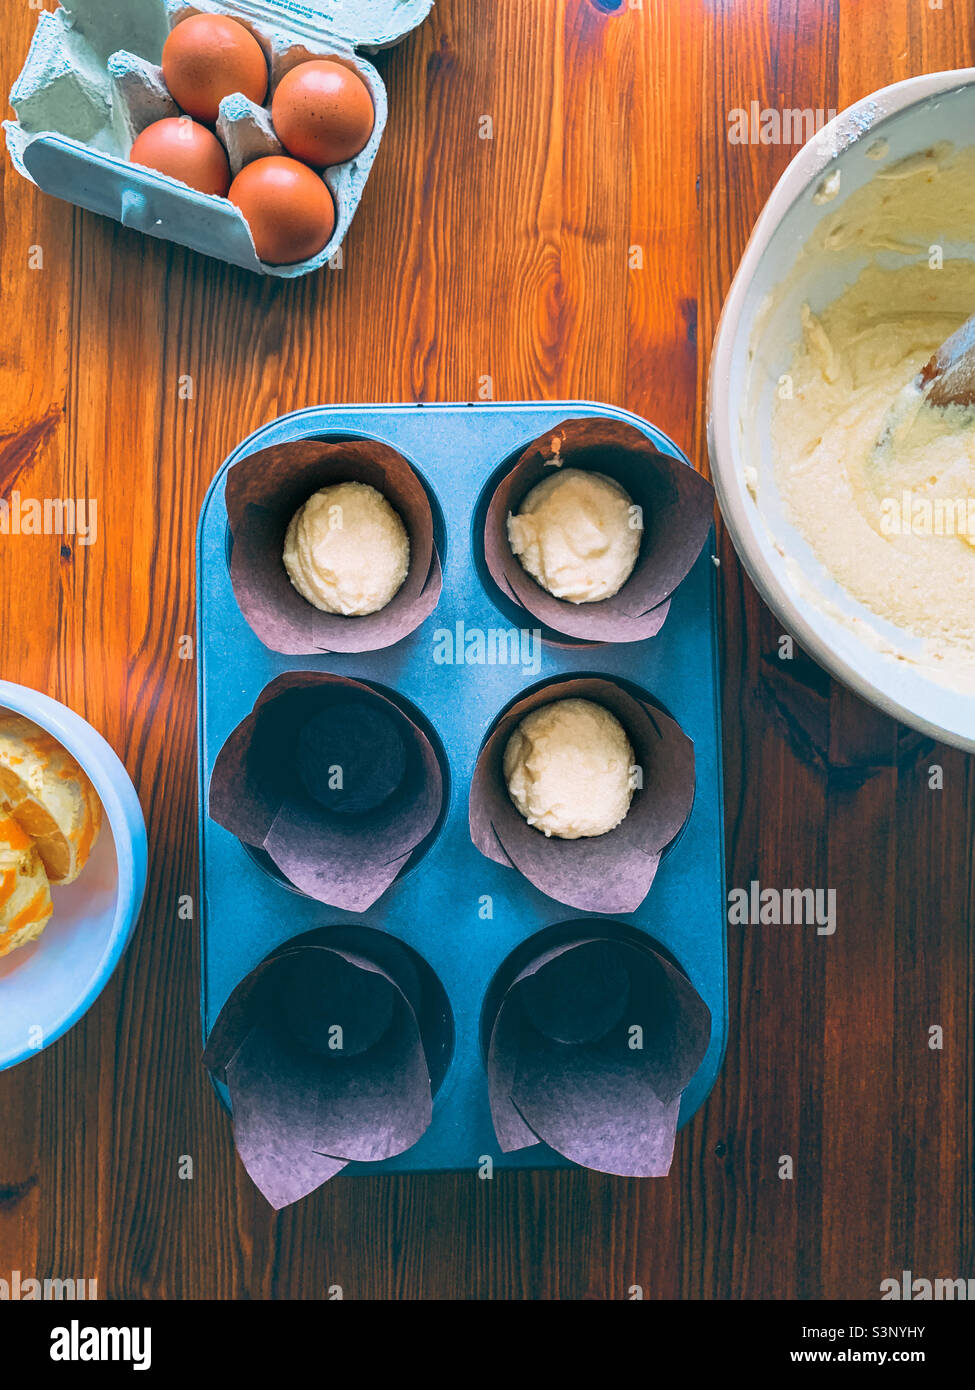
{"x": 25, "y": 893}
{"x": 43, "y": 788}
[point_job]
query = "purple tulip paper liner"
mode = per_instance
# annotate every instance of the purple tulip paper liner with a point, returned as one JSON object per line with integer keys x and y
{"x": 303, "y": 1107}
{"x": 591, "y": 1049}
{"x": 609, "y": 873}
{"x": 263, "y": 493}
{"x": 677, "y": 505}
{"x": 345, "y": 862}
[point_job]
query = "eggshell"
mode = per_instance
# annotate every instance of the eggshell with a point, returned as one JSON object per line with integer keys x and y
{"x": 208, "y": 57}
{"x": 323, "y": 113}
{"x": 186, "y": 151}
{"x": 288, "y": 208}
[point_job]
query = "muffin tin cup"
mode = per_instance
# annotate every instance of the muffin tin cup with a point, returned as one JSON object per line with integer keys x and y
{"x": 265, "y": 491}
{"x": 590, "y": 1048}
{"x": 602, "y": 873}
{"x": 464, "y": 914}
{"x": 328, "y": 1051}
{"x": 676, "y": 506}
{"x": 260, "y": 794}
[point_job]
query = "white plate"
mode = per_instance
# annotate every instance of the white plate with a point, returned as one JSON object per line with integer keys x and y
{"x": 46, "y": 987}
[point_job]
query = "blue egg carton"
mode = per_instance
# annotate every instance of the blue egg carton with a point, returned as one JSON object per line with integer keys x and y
{"x": 74, "y": 128}
{"x": 246, "y": 912}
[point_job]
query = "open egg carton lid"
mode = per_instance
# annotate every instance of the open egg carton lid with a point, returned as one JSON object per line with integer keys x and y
{"x": 91, "y": 84}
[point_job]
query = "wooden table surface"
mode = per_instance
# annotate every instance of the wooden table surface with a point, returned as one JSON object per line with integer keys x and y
{"x": 511, "y": 259}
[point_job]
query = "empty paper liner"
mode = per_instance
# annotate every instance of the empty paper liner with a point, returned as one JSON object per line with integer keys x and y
{"x": 302, "y": 780}
{"x": 604, "y": 873}
{"x": 677, "y": 506}
{"x": 266, "y": 489}
{"x": 590, "y": 1050}
{"x": 327, "y": 1050}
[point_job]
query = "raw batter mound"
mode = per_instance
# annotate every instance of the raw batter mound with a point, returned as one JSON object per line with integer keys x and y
{"x": 347, "y": 551}
{"x": 578, "y": 535}
{"x": 568, "y": 769}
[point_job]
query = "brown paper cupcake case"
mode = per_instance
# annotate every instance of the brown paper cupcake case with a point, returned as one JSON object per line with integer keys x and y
{"x": 265, "y": 490}
{"x": 331, "y": 1052}
{"x": 590, "y": 1048}
{"x": 346, "y": 861}
{"x": 606, "y": 873}
{"x": 677, "y": 505}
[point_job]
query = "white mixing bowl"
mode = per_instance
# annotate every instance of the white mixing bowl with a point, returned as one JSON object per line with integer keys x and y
{"x": 910, "y": 117}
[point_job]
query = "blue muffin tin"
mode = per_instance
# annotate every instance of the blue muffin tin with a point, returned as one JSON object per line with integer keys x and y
{"x": 246, "y": 912}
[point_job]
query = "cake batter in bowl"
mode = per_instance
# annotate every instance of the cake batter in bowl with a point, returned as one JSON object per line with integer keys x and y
{"x": 852, "y": 503}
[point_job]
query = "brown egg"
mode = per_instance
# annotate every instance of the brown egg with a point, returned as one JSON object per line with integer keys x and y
{"x": 288, "y": 208}
{"x": 323, "y": 113}
{"x": 206, "y": 58}
{"x": 179, "y": 147}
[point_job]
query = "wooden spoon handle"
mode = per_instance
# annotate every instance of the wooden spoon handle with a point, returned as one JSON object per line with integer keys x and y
{"x": 949, "y": 377}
